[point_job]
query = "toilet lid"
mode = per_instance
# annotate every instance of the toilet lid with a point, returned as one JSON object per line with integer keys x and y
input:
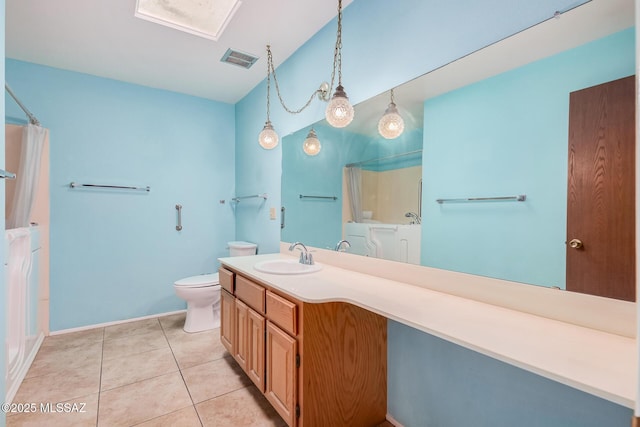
{"x": 199, "y": 281}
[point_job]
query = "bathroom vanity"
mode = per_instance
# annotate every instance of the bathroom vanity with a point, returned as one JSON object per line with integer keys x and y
{"x": 315, "y": 343}
{"x": 318, "y": 364}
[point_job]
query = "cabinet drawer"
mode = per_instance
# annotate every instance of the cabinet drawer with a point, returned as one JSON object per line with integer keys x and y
{"x": 226, "y": 279}
{"x": 250, "y": 293}
{"x": 282, "y": 312}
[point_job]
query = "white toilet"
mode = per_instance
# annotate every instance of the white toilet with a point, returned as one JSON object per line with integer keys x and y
{"x": 202, "y": 293}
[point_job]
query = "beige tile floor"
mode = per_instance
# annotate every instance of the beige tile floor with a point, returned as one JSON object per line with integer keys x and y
{"x": 144, "y": 373}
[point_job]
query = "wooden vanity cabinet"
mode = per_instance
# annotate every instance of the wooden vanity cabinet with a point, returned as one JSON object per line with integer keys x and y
{"x": 228, "y": 320}
{"x": 317, "y": 364}
{"x": 281, "y": 372}
{"x": 255, "y": 349}
{"x": 242, "y": 339}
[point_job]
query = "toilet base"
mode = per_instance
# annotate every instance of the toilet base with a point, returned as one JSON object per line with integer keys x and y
{"x": 201, "y": 319}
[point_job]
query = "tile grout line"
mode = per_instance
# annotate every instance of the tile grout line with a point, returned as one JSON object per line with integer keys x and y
{"x": 181, "y": 374}
{"x": 100, "y": 381}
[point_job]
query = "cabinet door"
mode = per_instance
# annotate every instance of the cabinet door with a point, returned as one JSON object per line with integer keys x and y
{"x": 281, "y": 372}
{"x": 242, "y": 342}
{"x": 255, "y": 355}
{"x": 227, "y": 321}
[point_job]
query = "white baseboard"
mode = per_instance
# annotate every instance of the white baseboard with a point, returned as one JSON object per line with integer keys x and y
{"x": 15, "y": 385}
{"x": 393, "y": 421}
{"x": 117, "y": 322}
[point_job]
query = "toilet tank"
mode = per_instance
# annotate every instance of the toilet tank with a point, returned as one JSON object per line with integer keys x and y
{"x": 241, "y": 248}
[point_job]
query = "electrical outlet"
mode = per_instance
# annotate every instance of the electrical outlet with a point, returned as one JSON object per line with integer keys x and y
{"x": 272, "y": 213}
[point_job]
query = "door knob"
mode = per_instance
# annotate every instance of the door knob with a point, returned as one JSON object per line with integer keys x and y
{"x": 575, "y": 243}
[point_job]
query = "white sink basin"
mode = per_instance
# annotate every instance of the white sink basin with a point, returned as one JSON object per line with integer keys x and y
{"x": 286, "y": 266}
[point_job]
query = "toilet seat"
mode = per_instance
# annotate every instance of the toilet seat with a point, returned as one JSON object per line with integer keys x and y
{"x": 200, "y": 281}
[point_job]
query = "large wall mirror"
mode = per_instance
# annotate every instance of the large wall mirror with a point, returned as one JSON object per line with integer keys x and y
{"x": 495, "y": 124}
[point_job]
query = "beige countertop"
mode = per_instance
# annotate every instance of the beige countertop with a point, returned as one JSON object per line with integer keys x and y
{"x": 596, "y": 362}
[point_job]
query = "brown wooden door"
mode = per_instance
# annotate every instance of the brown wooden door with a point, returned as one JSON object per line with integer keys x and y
{"x": 601, "y": 190}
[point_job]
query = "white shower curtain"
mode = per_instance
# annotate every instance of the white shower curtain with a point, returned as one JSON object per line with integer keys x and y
{"x": 33, "y": 138}
{"x": 354, "y": 185}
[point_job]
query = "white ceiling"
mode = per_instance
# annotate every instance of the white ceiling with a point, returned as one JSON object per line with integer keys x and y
{"x": 103, "y": 38}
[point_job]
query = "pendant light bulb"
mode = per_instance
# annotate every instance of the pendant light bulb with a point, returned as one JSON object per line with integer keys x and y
{"x": 312, "y": 144}
{"x": 339, "y": 112}
{"x": 268, "y": 138}
{"x": 391, "y": 124}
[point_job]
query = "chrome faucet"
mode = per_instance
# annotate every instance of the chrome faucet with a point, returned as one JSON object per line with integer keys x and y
{"x": 340, "y": 243}
{"x": 305, "y": 256}
{"x": 416, "y": 218}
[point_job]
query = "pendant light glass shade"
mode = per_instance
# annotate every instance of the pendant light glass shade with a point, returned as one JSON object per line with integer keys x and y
{"x": 391, "y": 124}
{"x": 339, "y": 112}
{"x": 312, "y": 144}
{"x": 268, "y": 138}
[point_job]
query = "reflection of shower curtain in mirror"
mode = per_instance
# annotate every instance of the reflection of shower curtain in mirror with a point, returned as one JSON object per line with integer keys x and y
{"x": 354, "y": 185}
{"x": 33, "y": 138}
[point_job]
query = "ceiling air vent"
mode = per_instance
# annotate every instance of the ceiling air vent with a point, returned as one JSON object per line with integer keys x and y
{"x": 241, "y": 59}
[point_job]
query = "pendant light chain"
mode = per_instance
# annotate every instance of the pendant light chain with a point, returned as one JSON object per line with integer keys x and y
{"x": 337, "y": 64}
{"x": 272, "y": 71}
{"x": 268, "y": 84}
{"x": 339, "y": 112}
{"x": 337, "y": 53}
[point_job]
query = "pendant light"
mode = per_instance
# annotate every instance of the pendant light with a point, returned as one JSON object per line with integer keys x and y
{"x": 311, "y": 145}
{"x": 339, "y": 112}
{"x": 268, "y": 138}
{"x": 391, "y": 124}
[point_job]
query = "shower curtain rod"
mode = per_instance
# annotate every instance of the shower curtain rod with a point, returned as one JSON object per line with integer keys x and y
{"x": 364, "y": 162}
{"x": 32, "y": 119}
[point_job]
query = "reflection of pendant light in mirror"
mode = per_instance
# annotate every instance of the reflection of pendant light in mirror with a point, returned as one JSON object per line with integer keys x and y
{"x": 268, "y": 138}
{"x": 312, "y": 144}
{"x": 391, "y": 124}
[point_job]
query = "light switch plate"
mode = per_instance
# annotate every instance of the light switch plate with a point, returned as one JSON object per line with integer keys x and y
{"x": 272, "y": 213}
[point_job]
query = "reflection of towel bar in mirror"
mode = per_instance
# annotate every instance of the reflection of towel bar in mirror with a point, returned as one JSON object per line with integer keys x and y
{"x": 319, "y": 197}
{"x": 254, "y": 196}
{"x": 519, "y": 198}
{"x": 115, "y": 187}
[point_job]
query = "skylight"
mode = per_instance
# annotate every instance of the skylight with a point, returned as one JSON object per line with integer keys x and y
{"x": 203, "y": 18}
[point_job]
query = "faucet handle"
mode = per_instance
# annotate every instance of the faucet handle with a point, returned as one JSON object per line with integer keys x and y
{"x": 310, "y": 259}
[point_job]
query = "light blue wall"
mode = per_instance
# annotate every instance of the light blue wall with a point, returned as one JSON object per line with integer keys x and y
{"x": 507, "y": 135}
{"x": 434, "y": 383}
{"x": 3, "y": 287}
{"x": 115, "y": 254}
{"x": 376, "y": 39}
